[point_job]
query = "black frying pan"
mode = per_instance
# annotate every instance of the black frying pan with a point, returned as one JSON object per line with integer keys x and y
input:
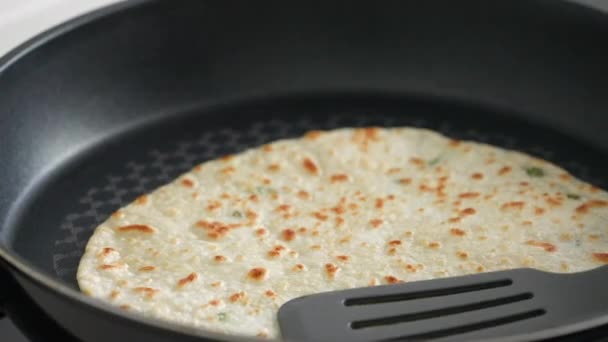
{"x": 120, "y": 101}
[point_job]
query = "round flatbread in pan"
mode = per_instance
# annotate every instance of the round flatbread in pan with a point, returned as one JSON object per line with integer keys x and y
{"x": 224, "y": 245}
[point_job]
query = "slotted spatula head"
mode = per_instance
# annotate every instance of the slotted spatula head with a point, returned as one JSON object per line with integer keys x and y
{"x": 475, "y": 307}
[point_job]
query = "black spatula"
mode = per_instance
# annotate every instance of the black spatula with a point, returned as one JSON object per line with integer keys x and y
{"x": 475, "y": 307}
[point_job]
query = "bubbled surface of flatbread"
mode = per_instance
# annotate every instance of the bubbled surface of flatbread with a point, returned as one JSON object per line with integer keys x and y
{"x": 224, "y": 245}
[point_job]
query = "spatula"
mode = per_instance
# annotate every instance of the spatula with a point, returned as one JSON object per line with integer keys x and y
{"x": 465, "y": 308}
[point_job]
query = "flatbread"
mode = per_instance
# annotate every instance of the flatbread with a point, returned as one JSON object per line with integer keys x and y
{"x": 224, "y": 245}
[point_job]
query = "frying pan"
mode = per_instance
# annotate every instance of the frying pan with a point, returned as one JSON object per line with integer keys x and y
{"x": 120, "y": 101}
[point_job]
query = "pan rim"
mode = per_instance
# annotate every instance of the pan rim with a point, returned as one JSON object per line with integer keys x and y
{"x": 26, "y": 269}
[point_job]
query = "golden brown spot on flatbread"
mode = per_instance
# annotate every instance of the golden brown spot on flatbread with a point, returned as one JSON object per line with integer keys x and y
{"x": 310, "y": 166}
{"x": 462, "y": 255}
{"x": 303, "y": 195}
{"x": 516, "y": 205}
{"x": 393, "y": 170}
{"x": 539, "y": 211}
{"x": 228, "y": 170}
{"x": 339, "y": 177}
{"x": 585, "y": 207}
{"x": 594, "y": 237}
{"x": 215, "y": 302}
{"x": 389, "y": 279}
{"x": 417, "y": 161}
{"x": 454, "y": 143}
{"x": 283, "y": 207}
{"x": 553, "y": 201}
{"x": 118, "y": 214}
{"x": 106, "y": 251}
{"x": 219, "y": 258}
{"x": 215, "y": 229}
{"x": 147, "y": 291}
{"x": 147, "y": 268}
{"x": 274, "y": 167}
{"x": 405, "y": 181}
{"x": 504, "y": 170}
{"x": 141, "y": 200}
{"x": 339, "y": 221}
{"x": 394, "y": 243}
{"x": 331, "y": 270}
{"x": 109, "y": 266}
{"x": 544, "y": 245}
{"x": 238, "y": 296}
{"x": 140, "y": 228}
{"x": 320, "y": 216}
{"x": 288, "y": 234}
{"x": 312, "y": 135}
{"x": 257, "y": 273}
{"x": 343, "y": 258}
{"x": 469, "y": 195}
{"x": 434, "y": 245}
{"x": 457, "y": 232}
{"x": 477, "y": 176}
{"x": 261, "y": 232}
{"x": 298, "y": 267}
{"x": 187, "y": 183}
{"x": 379, "y": 203}
{"x": 213, "y": 205}
{"x": 601, "y": 257}
{"x": 227, "y": 158}
{"x": 187, "y": 280}
{"x": 411, "y": 268}
{"x": 363, "y": 136}
{"x": 276, "y": 251}
{"x": 467, "y": 212}
{"x": 376, "y": 223}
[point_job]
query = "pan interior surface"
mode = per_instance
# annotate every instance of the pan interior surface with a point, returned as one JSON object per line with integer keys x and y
{"x": 63, "y": 210}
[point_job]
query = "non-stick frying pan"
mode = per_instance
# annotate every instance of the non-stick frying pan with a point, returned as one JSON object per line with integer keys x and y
{"x": 118, "y": 102}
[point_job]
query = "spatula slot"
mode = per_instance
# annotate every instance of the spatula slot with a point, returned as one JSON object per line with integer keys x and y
{"x": 426, "y": 293}
{"x": 470, "y": 327}
{"x": 439, "y": 312}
